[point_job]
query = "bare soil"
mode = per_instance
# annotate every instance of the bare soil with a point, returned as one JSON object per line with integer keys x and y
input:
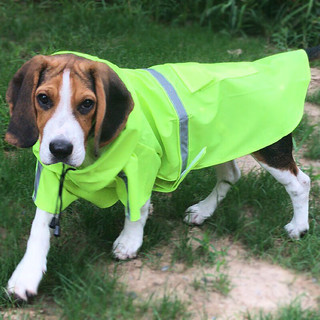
{"x": 28, "y": 313}
{"x": 315, "y": 81}
{"x": 255, "y": 284}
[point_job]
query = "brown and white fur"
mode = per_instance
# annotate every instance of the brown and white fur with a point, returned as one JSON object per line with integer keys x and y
{"x": 65, "y": 100}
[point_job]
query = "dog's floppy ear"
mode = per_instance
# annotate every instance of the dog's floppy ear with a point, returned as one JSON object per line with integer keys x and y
{"x": 114, "y": 104}
{"x": 22, "y": 130}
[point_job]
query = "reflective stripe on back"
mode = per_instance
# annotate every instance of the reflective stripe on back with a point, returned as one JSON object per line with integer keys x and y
{"x": 182, "y": 114}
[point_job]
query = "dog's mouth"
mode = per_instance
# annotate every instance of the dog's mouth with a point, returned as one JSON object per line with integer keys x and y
{"x": 66, "y": 161}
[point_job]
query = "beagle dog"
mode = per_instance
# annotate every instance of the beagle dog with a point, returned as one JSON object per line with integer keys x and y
{"x": 67, "y": 102}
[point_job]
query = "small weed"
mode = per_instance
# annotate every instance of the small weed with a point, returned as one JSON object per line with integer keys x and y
{"x": 197, "y": 284}
{"x": 186, "y": 251}
{"x": 153, "y": 260}
{"x": 207, "y": 253}
{"x": 307, "y": 135}
{"x": 183, "y": 250}
{"x": 168, "y": 308}
{"x": 222, "y": 284}
{"x": 313, "y": 146}
{"x": 302, "y": 133}
{"x": 219, "y": 282}
{"x": 314, "y": 98}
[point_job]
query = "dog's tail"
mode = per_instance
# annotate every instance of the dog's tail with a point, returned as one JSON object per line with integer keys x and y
{"x": 313, "y": 53}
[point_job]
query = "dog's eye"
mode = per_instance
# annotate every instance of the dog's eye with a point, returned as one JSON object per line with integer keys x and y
{"x": 44, "y": 101}
{"x": 86, "y": 106}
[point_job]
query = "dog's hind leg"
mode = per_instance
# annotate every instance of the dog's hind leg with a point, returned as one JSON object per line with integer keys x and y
{"x": 130, "y": 239}
{"x": 277, "y": 159}
{"x": 227, "y": 174}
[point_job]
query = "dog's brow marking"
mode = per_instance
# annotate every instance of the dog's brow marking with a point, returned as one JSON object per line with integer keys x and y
{"x": 65, "y": 94}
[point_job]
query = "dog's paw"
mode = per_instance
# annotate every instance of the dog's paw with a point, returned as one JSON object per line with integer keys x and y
{"x": 127, "y": 245}
{"x": 25, "y": 280}
{"x": 296, "y": 231}
{"x": 196, "y": 214}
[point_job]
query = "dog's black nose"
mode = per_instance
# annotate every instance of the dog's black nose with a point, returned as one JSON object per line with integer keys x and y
{"x": 61, "y": 148}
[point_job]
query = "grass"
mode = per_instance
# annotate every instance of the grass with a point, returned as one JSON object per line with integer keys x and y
{"x": 192, "y": 250}
{"x": 285, "y": 23}
{"x": 294, "y": 311}
{"x": 81, "y": 298}
{"x": 307, "y": 136}
{"x": 76, "y": 285}
{"x": 168, "y": 308}
{"x": 213, "y": 282}
{"x": 314, "y": 98}
{"x": 313, "y": 146}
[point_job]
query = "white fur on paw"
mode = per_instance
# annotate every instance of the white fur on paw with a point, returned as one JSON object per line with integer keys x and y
{"x": 196, "y": 215}
{"x": 126, "y": 246}
{"x": 296, "y": 231}
{"x": 25, "y": 280}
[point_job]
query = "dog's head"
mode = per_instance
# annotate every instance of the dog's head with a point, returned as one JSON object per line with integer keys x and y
{"x": 63, "y": 99}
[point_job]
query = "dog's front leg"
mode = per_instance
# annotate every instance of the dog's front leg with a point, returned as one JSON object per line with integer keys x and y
{"x": 130, "y": 240}
{"x": 25, "y": 279}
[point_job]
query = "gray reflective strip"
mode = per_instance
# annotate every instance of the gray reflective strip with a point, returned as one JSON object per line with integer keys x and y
{"x": 182, "y": 114}
{"x": 36, "y": 181}
{"x": 123, "y": 176}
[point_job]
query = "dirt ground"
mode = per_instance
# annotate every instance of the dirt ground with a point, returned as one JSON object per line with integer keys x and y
{"x": 255, "y": 284}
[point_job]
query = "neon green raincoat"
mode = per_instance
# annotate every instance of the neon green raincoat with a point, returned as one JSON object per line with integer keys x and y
{"x": 186, "y": 116}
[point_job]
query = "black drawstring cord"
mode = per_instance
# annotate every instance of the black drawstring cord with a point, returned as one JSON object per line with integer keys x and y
{"x": 55, "y": 222}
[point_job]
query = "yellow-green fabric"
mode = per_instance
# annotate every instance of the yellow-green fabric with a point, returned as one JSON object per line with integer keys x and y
{"x": 233, "y": 109}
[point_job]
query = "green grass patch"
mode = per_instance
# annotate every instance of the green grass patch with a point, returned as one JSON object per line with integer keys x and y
{"x": 213, "y": 282}
{"x": 302, "y": 133}
{"x": 168, "y": 308}
{"x": 313, "y": 146}
{"x": 314, "y": 98}
{"x": 192, "y": 250}
{"x": 95, "y": 296}
{"x": 307, "y": 136}
{"x": 294, "y": 311}
{"x": 99, "y": 295}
